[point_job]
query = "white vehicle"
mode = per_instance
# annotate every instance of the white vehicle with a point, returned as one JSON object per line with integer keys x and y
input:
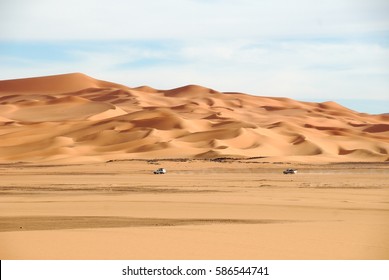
{"x": 290, "y": 171}
{"x": 160, "y": 171}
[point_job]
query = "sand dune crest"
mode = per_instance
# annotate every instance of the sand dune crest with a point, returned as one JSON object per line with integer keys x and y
{"x": 73, "y": 117}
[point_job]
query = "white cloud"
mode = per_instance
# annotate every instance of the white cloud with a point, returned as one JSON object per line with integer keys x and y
{"x": 302, "y": 70}
{"x": 188, "y": 19}
{"x": 301, "y": 49}
{"x": 298, "y": 70}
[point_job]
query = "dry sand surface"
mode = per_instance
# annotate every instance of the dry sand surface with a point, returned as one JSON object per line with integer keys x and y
{"x": 76, "y": 182}
{"x": 74, "y": 118}
{"x": 200, "y": 209}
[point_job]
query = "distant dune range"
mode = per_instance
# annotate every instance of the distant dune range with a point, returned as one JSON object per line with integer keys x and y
{"x": 74, "y": 118}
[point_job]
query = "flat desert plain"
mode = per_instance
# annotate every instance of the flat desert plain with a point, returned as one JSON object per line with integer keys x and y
{"x": 200, "y": 209}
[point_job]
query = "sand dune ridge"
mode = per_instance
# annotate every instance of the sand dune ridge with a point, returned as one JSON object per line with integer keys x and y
{"x": 73, "y": 117}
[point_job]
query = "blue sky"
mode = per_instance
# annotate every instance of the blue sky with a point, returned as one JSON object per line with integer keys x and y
{"x": 306, "y": 50}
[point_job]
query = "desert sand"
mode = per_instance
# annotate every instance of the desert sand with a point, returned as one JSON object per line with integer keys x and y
{"x": 76, "y": 174}
{"x": 200, "y": 209}
{"x": 74, "y": 118}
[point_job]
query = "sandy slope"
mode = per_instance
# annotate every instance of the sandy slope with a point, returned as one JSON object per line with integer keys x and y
{"x": 75, "y": 118}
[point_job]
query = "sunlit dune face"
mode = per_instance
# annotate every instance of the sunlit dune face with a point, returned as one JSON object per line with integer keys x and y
{"x": 74, "y": 117}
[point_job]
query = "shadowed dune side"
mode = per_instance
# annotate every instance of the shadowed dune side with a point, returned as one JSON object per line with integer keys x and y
{"x": 75, "y": 118}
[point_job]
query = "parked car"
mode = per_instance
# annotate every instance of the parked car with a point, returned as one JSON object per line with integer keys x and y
{"x": 290, "y": 171}
{"x": 160, "y": 171}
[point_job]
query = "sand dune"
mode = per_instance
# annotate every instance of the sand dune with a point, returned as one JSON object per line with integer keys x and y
{"x": 241, "y": 208}
{"x": 76, "y": 118}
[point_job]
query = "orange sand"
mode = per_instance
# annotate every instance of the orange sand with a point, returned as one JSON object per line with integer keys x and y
{"x": 75, "y": 183}
{"x": 198, "y": 210}
{"x": 75, "y": 118}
